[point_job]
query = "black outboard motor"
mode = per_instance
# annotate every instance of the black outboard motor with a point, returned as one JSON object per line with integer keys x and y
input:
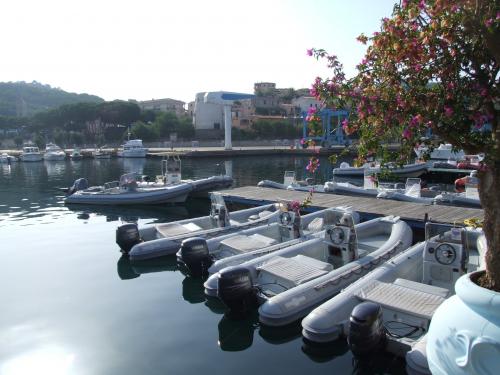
{"x": 79, "y": 184}
{"x": 366, "y": 329}
{"x": 235, "y": 290}
{"x": 127, "y": 235}
{"x": 195, "y": 256}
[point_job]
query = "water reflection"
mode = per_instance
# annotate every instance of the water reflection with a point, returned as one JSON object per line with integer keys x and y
{"x": 237, "y": 334}
{"x": 128, "y": 269}
{"x": 134, "y": 165}
{"x": 192, "y": 290}
{"x": 324, "y": 352}
{"x": 55, "y": 168}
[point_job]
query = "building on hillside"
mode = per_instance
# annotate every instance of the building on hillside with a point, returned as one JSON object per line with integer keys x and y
{"x": 303, "y": 103}
{"x": 208, "y": 118}
{"x": 264, "y": 88}
{"x": 242, "y": 112}
{"x": 164, "y": 105}
{"x": 190, "y": 109}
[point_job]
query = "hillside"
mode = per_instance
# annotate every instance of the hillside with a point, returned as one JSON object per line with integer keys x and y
{"x": 21, "y": 99}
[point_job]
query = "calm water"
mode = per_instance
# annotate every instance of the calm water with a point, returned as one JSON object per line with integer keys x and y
{"x": 70, "y": 304}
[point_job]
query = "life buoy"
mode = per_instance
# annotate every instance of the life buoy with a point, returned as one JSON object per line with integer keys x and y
{"x": 460, "y": 184}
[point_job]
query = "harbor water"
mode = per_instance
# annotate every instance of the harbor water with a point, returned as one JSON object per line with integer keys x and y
{"x": 72, "y": 304}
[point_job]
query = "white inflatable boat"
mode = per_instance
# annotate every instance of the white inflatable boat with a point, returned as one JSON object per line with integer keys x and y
{"x": 290, "y": 183}
{"x": 127, "y": 192}
{"x": 171, "y": 174}
{"x": 408, "y": 170}
{"x": 458, "y": 199}
{"x": 290, "y": 282}
{"x": 411, "y": 193}
{"x": 400, "y": 296}
{"x": 200, "y": 256}
{"x": 165, "y": 239}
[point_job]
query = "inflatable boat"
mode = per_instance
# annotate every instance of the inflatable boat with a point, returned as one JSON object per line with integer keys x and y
{"x": 395, "y": 302}
{"x": 200, "y": 256}
{"x": 408, "y": 170}
{"x": 290, "y": 282}
{"x": 171, "y": 174}
{"x": 290, "y": 183}
{"x": 165, "y": 239}
{"x": 126, "y": 192}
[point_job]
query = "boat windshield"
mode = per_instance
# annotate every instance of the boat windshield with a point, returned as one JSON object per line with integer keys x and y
{"x": 444, "y": 233}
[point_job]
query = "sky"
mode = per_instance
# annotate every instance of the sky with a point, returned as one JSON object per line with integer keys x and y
{"x": 152, "y": 49}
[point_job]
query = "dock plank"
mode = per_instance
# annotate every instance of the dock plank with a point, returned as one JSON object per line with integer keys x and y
{"x": 254, "y": 195}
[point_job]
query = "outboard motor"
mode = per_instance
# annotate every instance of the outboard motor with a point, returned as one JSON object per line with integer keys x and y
{"x": 366, "y": 329}
{"x": 235, "y": 290}
{"x": 195, "y": 256}
{"x": 79, "y": 184}
{"x": 127, "y": 235}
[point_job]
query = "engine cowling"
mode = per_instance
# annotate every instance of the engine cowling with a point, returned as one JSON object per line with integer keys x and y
{"x": 236, "y": 291}
{"x": 366, "y": 329}
{"x": 127, "y": 235}
{"x": 195, "y": 256}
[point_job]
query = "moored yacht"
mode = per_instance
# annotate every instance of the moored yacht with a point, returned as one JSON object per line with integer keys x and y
{"x": 53, "y": 152}
{"x": 30, "y": 153}
{"x": 133, "y": 148}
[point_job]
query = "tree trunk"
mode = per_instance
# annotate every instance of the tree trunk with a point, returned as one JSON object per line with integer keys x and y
{"x": 489, "y": 185}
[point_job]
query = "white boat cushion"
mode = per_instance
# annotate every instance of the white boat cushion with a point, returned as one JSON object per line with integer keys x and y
{"x": 264, "y": 213}
{"x": 292, "y": 271}
{"x": 316, "y": 225}
{"x": 175, "y": 229}
{"x": 241, "y": 243}
{"x": 443, "y": 292}
{"x": 401, "y": 298}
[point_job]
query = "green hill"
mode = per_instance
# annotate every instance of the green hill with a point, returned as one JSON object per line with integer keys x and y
{"x": 22, "y": 99}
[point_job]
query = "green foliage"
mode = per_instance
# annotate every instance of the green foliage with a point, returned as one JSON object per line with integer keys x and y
{"x": 25, "y": 99}
{"x": 276, "y": 129}
{"x": 143, "y": 131}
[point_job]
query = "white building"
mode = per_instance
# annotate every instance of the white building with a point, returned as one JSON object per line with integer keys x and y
{"x": 207, "y": 116}
{"x": 306, "y": 102}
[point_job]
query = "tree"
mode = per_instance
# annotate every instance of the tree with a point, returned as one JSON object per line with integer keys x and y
{"x": 433, "y": 65}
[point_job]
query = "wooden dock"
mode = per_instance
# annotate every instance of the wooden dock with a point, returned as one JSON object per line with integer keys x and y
{"x": 368, "y": 208}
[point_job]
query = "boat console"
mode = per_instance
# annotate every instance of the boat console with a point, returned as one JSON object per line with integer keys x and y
{"x": 289, "y": 222}
{"x": 340, "y": 235}
{"x": 445, "y": 255}
{"x": 171, "y": 170}
{"x": 218, "y": 211}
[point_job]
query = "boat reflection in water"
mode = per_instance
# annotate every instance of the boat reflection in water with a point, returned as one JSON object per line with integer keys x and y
{"x": 134, "y": 165}
{"x": 128, "y": 270}
{"x": 324, "y": 352}
{"x": 236, "y": 332}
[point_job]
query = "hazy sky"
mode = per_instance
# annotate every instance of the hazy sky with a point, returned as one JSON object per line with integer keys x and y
{"x": 144, "y": 49}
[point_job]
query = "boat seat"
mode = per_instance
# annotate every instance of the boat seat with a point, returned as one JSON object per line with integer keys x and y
{"x": 316, "y": 225}
{"x": 175, "y": 229}
{"x": 241, "y": 243}
{"x": 402, "y": 298}
{"x": 296, "y": 270}
{"x": 474, "y": 262}
{"x": 372, "y": 243}
{"x": 264, "y": 213}
{"x": 443, "y": 292}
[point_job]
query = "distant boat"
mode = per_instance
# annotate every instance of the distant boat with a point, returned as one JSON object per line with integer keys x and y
{"x": 443, "y": 152}
{"x": 126, "y": 192}
{"x": 133, "y": 148}
{"x": 99, "y": 153}
{"x": 53, "y": 152}
{"x": 30, "y": 153}
{"x": 76, "y": 154}
{"x": 6, "y": 158}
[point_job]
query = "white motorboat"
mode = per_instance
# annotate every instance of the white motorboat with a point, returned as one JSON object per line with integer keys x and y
{"x": 165, "y": 239}
{"x": 411, "y": 193}
{"x": 458, "y": 199}
{"x": 53, "y": 152}
{"x": 6, "y": 158}
{"x": 76, "y": 154}
{"x": 99, "y": 153}
{"x": 443, "y": 152}
{"x": 395, "y": 303}
{"x": 290, "y": 183}
{"x": 171, "y": 174}
{"x": 30, "y": 153}
{"x": 290, "y": 282}
{"x": 408, "y": 170}
{"x": 133, "y": 148}
{"x": 126, "y": 192}
{"x": 236, "y": 248}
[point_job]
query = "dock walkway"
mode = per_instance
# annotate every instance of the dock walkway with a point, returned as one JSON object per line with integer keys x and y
{"x": 367, "y": 207}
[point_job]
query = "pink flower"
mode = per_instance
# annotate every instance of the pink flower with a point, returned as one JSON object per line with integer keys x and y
{"x": 406, "y": 133}
{"x": 488, "y": 22}
{"x": 345, "y": 124}
{"x": 309, "y": 52}
{"x": 311, "y": 111}
{"x": 448, "y": 111}
{"x": 421, "y": 4}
